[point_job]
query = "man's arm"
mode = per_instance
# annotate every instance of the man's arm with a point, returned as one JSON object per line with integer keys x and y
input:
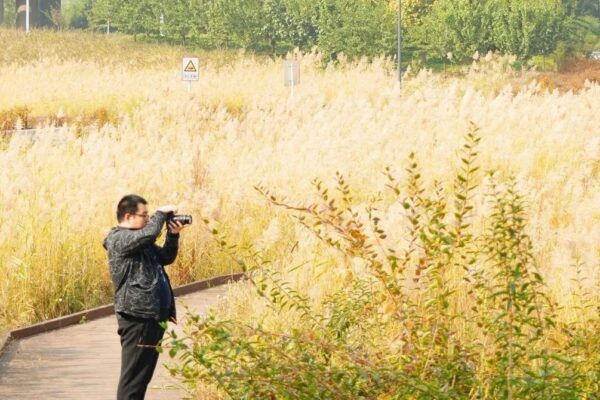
{"x": 168, "y": 253}
{"x": 129, "y": 241}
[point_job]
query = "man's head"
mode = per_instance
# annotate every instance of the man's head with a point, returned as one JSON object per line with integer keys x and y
{"x": 132, "y": 212}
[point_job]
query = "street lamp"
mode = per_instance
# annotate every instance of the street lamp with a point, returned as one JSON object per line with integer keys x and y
{"x": 400, "y": 43}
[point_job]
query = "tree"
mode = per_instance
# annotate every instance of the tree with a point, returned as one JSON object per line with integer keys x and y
{"x": 588, "y": 7}
{"x": 76, "y": 13}
{"x": 132, "y": 16}
{"x": 9, "y": 12}
{"x": 527, "y": 27}
{"x": 520, "y": 27}
{"x": 184, "y": 18}
{"x": 291, "y": 23}
{"x": 457, "y": 26}
{"x": 236, "y": 23}
{"x": 139, "y": 16}
{"x": 356, "y": 28}
{"x": 103, "y": 13}
{"x": 413, "y": 11}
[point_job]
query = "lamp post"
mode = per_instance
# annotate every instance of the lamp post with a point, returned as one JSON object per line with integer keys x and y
{"x": 399, "y": 26}
{"x": 27, "y": 16}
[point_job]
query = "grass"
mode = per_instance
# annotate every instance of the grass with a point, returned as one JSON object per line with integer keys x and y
{"x": 82, "y": 62}
{"x": 239, "y": 127}
{"x": 451, "y": 312}
{"x": 114, "y": 49}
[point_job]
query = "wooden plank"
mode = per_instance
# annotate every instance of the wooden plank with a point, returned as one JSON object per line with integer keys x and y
{"x": 62, "y": 322}
{"x": 104, "y": 311}
{"x": 4, "y": 341}
{"x": 83, "y": 361}
{"x": 201, "y": 285}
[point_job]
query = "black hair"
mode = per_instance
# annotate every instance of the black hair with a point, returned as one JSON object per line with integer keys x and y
{"x": 129, "y": 205}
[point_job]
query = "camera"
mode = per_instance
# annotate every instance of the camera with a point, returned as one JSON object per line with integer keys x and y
{"x": 183, "y": 219}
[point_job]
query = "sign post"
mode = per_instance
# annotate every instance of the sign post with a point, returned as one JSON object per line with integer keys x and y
{"x": 291, "y": 74}
{"x": 162, "y": 23}
{"x": 399, "y": 27}
{"x": 27, "y": 16}
{"x": 190, "y": 70}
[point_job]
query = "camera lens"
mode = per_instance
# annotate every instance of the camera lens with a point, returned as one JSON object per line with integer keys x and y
{"x": 183, "y": 219}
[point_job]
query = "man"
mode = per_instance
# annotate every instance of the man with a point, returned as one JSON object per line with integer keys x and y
{"x": 143, "y": 294}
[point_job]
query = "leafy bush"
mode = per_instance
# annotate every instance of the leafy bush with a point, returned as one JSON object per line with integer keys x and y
{"x": 356, "y": 28}
{"x": 75, "y": 13}
{"x": 457, "y": 312}
{"x": 526, "y": 27}
{"x": 460, "y": 27}
{"x": 519, "y": 27}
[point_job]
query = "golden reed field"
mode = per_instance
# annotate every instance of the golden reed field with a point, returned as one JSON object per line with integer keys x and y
{"x": 239, "y": 127}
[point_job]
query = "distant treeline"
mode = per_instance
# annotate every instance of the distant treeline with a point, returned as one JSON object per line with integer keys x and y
{"x": 353, "y": 27}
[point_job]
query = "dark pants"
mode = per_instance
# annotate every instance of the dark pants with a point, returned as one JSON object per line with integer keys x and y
{"x": 139, "y": 336}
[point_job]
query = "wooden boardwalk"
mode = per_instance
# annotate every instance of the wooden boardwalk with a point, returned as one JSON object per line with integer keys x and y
{"x": 83, "y": 361}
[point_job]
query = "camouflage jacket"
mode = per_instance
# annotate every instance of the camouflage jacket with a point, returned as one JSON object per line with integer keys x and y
{"x": 134, "y": 260}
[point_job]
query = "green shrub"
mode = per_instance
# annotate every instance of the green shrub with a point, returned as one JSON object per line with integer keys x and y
{"x": 519, "y": 27}
{"x": 455, "y": 313}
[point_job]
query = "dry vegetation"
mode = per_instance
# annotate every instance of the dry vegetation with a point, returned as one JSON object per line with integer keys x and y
{"x": 239, "y": 127}
{"x": 575, "y": 75}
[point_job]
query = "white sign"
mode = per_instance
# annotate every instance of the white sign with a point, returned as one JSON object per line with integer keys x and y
{"x": 291, "y": 73}
{"x": 190, "y": 69}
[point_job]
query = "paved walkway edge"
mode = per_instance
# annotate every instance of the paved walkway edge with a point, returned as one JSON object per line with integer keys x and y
{"x": 104, "y": 311}
{"x": 4, "y": 341}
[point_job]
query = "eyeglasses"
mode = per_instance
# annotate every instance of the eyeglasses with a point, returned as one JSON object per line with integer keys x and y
{"x": 145, "y": 216}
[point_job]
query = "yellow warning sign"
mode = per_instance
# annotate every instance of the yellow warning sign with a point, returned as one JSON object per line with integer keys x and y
{"x": 190, "y": 67}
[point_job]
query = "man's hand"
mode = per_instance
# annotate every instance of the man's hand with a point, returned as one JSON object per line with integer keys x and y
{"x": 168, "y": 209}
{"x": 175, "y": 227}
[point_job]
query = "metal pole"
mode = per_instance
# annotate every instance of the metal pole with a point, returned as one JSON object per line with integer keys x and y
{"x": 400, "y": 43}
{"x": 162, "y": 23}
{"x": 27, "y": 16}
{"x": 292, "y": 77}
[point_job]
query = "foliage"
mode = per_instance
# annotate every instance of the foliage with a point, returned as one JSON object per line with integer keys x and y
{"x": 237, "y": 23}
{"x": 9, "y": 12}
{"x": 76, "y": 13}
{"x": 345, "y": 117}
{"x": 356, "y": 28}
{"x": 460, "y": 27}
{"x": 413, "y": 11}
{"x": 520, "y": 27}
{"x": 292, "y": 23}
{"x": 401, "y": 330}
{"x": 527, "y": 27}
